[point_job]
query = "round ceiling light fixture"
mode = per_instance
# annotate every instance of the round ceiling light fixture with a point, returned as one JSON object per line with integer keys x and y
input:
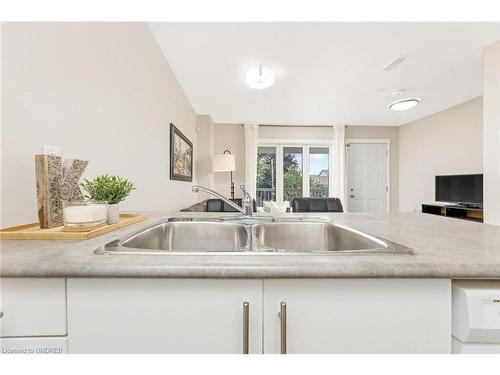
{"x": 260, "y": 77}
{"x": 404, "y": 104}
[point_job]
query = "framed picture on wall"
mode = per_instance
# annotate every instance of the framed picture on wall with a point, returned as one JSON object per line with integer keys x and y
{"x": 181, "y": 156}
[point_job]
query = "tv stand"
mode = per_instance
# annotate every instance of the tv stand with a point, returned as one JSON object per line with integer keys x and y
{"x": 469, "y": 205}
{"x": 456, "y": 211}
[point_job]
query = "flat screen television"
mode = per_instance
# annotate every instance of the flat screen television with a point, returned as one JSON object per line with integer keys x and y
{"x": 464, "y": 188}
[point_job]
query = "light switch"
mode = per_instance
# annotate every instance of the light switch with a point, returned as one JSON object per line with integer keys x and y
{"x": 51, "y": 150}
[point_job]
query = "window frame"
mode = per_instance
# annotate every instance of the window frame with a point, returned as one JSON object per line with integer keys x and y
{"x": 277, "y": 174}
{"x": 306, "y": 144}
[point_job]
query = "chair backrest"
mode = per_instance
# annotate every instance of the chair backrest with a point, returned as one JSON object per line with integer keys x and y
{"x": 317, "y": 205}
{"x": 217, "y": 205}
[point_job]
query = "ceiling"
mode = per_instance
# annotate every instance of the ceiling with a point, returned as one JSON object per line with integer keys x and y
{"x": 325, "y": 72}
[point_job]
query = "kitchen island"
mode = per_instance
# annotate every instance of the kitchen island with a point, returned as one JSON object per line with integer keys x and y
{"x": 443, "y": 248}
{"x": 245, "y": 303}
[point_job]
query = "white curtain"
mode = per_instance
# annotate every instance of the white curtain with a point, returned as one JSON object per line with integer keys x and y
{"x": 337, "y": 180}
{"x": 251, "y": 135}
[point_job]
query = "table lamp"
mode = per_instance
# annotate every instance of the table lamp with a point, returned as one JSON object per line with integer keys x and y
{"x": 225, "y": 162}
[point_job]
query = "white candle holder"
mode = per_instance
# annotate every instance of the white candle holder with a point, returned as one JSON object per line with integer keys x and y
{"x": 81, "y": 214}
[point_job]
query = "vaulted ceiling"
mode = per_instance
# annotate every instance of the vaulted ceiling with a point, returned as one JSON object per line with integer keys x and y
{"x": 326, "y": 72}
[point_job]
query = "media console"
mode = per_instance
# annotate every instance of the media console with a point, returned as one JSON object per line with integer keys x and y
{"x": 459, "y": 212}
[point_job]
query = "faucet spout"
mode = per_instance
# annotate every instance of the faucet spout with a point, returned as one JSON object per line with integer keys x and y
{"x": 197, "y": 189}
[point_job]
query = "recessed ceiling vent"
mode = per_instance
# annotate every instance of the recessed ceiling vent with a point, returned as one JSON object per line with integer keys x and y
{"x": 397, "y": 92}
{"x": 394, "y": 63}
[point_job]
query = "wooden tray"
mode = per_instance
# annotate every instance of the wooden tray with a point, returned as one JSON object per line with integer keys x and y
{"x": 33, "y": 231}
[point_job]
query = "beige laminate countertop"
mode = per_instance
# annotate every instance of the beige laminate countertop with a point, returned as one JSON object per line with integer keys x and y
{"x": 444, "y": 248}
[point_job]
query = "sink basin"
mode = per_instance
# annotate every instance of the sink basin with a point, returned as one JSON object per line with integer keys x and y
{"x": 250, "y": 236}
{"x": 186, "y": 236}
{"x": 318, "y": 237}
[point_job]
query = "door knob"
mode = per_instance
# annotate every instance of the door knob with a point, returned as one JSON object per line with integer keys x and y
{"x": 352, "y": 195}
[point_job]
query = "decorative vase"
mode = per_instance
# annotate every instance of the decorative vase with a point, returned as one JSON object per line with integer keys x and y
{"x": 113, "y": 213}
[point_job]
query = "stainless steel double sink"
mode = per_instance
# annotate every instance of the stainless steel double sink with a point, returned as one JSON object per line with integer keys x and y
{"x": 257, "y": 235}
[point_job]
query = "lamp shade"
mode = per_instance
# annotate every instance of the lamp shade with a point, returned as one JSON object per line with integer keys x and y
{"x": 223, "y": 163}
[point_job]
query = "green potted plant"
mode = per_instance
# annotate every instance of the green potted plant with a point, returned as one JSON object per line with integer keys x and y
{"x": 112, "y": 189}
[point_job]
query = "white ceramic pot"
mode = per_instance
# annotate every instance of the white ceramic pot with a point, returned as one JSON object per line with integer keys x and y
{"x": 113, "y": 213}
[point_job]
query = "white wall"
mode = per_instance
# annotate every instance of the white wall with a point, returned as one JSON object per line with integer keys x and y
{"x": 447, "y": 142}
{"x": 101, "y": 92}
{"x": 206, "y": 139}
{"x": 491, "y": 93}
{"x": 296, "y": 132}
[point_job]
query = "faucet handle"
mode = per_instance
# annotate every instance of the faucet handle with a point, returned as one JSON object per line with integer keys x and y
{"x": 247, "y": 200}
{"x": 245, "y": 192}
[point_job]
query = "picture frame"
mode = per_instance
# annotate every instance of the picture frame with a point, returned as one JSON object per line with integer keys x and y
{"x": 181, "y": 156}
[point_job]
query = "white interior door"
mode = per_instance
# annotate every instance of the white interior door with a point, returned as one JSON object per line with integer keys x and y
{"x": 367, "y": 168}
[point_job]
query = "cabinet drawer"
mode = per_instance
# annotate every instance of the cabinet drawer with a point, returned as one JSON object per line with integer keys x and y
{"x": 34, "y": 345}
{"x": 32, "y": 307}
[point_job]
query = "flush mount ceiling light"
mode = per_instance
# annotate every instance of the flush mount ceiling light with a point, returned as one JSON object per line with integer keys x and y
{"x": 404, "y": 104}
{"x": 260, "y": 77}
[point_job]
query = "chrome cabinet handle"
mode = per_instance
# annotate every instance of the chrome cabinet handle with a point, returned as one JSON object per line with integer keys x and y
{"x": 283, "y": 326}
{"x": 246, "y": 323}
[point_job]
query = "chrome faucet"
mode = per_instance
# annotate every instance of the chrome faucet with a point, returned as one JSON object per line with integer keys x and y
{"x": 247, "y": 208}
{"x": 247, "y": 201}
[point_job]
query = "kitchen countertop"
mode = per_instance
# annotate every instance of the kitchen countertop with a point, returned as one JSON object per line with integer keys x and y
{"x": 444, "y": 248}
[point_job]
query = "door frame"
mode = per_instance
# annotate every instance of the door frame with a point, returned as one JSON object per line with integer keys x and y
{"x": 387, "y": 143}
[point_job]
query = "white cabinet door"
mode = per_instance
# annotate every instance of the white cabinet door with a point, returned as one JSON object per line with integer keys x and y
{"x": 162, "y": 315}
{"x": 359, "y": 315}
{"x": 34, "y": 345}
{"x": 32, "y": 307}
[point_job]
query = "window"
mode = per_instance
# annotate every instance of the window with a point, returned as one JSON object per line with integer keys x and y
{"x": 266, "y": 174}
{"x": 292, "y": 173}
{"x": 287, "y": 171}
{"x": 318, "y": 172}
